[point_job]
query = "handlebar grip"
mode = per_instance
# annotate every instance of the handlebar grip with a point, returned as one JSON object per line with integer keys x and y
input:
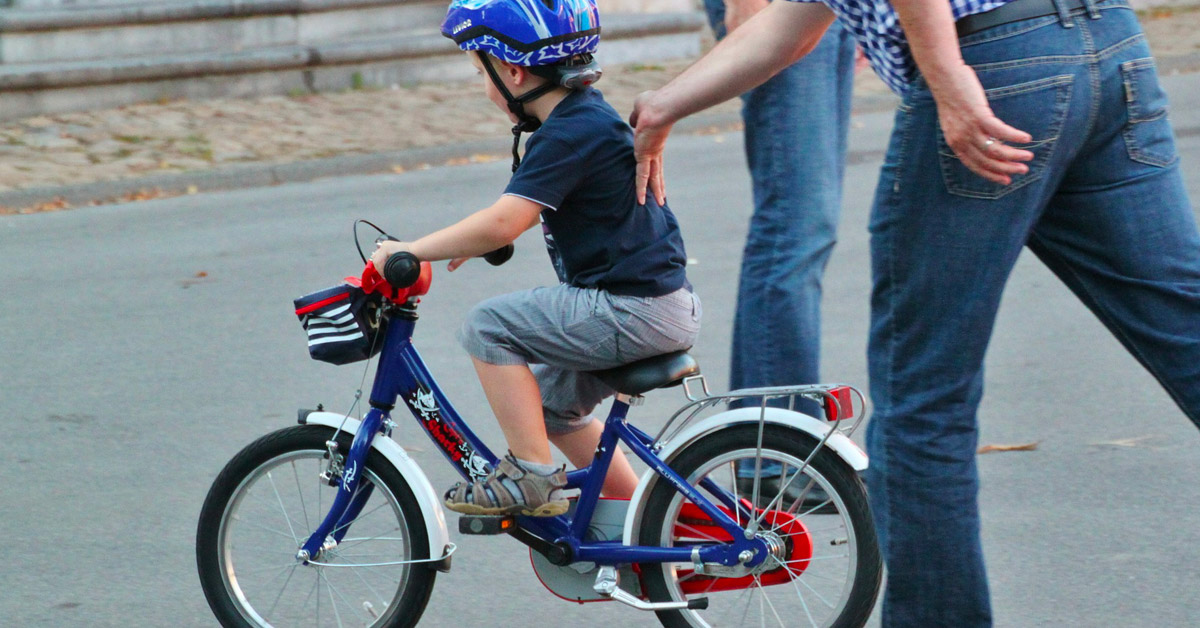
{"x": 500, "y": 255}
{"x": 402, "y": 270}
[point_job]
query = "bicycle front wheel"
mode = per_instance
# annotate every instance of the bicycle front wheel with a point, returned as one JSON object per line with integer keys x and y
{"x": 262, "y": 508}
{"x": 826, "y": 568}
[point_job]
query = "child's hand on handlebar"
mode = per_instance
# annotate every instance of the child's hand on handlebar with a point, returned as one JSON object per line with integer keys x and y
{"x": 455, "y": 263}
{"x": 384, "y": 250}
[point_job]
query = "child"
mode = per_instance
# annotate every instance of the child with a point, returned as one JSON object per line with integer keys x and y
{"x": 623, "y": 294}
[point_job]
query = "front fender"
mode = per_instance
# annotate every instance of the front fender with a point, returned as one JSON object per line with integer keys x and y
{"x": 845, "y": 448}
{"x": 428, "y": 499}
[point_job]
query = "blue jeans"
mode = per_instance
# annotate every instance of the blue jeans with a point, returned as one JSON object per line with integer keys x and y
{"x": 795, "y": 137}
{"x": 1103, "y": 206}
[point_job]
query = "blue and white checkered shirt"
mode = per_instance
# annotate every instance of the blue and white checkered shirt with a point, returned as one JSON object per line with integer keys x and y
{"x": 877, "y": 29}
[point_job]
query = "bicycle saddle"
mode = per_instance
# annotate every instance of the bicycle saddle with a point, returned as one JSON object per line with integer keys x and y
{"x": 660, "y": 371}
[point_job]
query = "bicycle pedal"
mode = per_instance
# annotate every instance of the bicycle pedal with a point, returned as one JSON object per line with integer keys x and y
{"x": 485, "y": 524}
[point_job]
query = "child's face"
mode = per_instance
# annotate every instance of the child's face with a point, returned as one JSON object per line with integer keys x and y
{"x": 505, "y": 71}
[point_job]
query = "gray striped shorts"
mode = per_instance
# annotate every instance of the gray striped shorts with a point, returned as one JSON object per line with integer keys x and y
{"x": 562, "y": 331}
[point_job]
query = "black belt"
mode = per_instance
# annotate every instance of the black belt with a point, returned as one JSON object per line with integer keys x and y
{"x": 1012, "y": 12}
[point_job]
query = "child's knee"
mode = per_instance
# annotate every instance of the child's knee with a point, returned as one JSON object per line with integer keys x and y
{"x": 485, "y": 338}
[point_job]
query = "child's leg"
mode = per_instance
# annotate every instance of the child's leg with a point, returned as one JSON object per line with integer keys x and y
{"x": 580, "y": 447}
{"x": 513, "y": 394}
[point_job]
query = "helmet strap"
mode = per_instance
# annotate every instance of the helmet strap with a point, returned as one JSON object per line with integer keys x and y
{"x": 525, "y": 122}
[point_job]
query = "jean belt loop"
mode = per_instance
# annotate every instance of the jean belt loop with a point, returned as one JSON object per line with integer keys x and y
{"x": 1093, "y": 12}
{"x": 1064, "y": 13}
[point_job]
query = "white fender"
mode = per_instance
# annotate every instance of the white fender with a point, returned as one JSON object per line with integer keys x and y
{"x": 428, "y": 499}
{"x": 845, "y": 448}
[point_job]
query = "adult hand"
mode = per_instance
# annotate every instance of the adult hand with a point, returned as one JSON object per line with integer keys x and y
{"x": 385, "y": 249}
{"x": 974, "y": 132}
{"x": 738, "y": 11}
{"x": 649, "y": 139}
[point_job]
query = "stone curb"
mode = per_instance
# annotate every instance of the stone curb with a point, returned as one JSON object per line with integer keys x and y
{"x": 261, "y": 175}
{"x": 243, "y": 176}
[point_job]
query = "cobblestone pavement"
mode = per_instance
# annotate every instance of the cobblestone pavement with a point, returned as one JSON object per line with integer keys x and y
{"x": 189, "y": 136}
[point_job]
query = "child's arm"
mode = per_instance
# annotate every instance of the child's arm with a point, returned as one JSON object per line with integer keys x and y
{"x": 482, "y": 232}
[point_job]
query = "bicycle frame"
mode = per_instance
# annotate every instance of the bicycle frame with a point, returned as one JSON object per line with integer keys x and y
{"x": 401, "y": 373}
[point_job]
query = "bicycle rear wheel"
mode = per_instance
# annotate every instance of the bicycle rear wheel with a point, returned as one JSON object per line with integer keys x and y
{"x": 828, "y": 568}
{"x": 264, "y": 505}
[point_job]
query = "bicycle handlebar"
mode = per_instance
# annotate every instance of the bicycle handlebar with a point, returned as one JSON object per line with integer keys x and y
{"x": 500, "y": 255}
{"x": 402, "y": 269}
{"x": 405, "y": 276}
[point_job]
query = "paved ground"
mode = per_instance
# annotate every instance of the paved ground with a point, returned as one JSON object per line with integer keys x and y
{"x": 145, "y": 343}
{"x": 160, "y": 149}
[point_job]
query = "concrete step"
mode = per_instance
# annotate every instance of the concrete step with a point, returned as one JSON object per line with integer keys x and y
{"x": 342, "y": 63}
{"x": 118, "y": 32}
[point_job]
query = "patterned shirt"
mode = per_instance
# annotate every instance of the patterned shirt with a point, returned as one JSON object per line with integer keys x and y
{"x": 877, "y": 29}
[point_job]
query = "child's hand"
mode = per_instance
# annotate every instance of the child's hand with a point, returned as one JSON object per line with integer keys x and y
{"x": 385, "y": 249}
{"x": 455, "y": 263}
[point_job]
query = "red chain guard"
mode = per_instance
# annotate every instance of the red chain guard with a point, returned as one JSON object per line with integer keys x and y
{"x": 693, "y": 524}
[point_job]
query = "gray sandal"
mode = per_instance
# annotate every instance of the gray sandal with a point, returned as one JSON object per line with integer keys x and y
{"x": 493, "y": 495}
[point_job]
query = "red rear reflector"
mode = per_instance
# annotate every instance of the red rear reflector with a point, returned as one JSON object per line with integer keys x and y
{"x": 839, "y": 404}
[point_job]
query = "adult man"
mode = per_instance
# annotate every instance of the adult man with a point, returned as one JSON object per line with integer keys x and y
{"x": 795, "y": 137}
{"x": 1068, "y": 152}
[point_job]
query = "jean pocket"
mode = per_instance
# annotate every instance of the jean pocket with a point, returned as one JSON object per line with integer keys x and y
{"x": 1148, "y": 137}
{"x": 1038, "y": 108}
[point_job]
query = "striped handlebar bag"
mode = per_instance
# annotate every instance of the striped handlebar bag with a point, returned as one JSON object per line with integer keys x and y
{"x": 342, "y": 322}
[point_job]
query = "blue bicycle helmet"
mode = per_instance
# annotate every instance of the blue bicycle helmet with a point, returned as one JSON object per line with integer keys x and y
{"x": 525, "y": 32}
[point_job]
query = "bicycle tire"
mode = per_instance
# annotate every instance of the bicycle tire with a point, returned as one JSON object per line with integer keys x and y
{"x": 251, "y": 515}
{"x": 714, "y": 456}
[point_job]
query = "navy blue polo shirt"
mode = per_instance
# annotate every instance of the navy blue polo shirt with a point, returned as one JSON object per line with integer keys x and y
{"x": 579, "y": 165}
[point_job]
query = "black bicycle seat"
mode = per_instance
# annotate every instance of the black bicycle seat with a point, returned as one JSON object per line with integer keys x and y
{"x": 660, "y": 371}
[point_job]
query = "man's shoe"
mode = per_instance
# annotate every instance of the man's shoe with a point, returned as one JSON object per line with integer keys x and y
{"x": 816, "y": 500}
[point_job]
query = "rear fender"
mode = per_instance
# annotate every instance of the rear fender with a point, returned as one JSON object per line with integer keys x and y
{"x": 845, "y": 448}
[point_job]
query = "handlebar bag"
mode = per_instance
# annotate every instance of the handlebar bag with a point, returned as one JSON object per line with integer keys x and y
{"x": 343, "y": 323}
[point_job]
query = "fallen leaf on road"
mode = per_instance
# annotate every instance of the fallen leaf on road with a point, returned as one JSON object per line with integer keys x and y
{"x": 202, "y": 274}
{"x": 144, "y": 194}
{"x": 987, "y": 449}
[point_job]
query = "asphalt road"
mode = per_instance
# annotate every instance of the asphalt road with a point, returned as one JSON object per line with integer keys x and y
{"x": 142, "y": 345}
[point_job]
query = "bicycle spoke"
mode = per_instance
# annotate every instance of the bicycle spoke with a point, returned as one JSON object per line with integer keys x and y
{"x": 282, "y": 509}
{"x": 699, "y": 533}
{"x": 282, "y": 589}
{"x": 763, "y": 592}
{"x": 300, "y": 494}
{"x": 332, "y": 602}
{"x": 377, "y": 537}
{"x": 264, "y": 528}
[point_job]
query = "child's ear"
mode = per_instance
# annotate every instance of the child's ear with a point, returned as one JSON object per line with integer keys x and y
{"x": 518, "y": 74}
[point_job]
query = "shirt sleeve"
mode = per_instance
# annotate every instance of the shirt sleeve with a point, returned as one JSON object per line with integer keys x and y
{"x": 550, "y": 170}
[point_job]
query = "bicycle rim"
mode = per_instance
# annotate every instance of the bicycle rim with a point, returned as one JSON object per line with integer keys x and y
{"x": 270, "y": 515}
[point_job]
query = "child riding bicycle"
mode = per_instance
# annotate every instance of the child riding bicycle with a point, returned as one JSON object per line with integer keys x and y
{"x": 623, "y": 294}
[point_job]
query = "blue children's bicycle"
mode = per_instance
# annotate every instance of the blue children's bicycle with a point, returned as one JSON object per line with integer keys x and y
{"x": 753, "y": 516}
